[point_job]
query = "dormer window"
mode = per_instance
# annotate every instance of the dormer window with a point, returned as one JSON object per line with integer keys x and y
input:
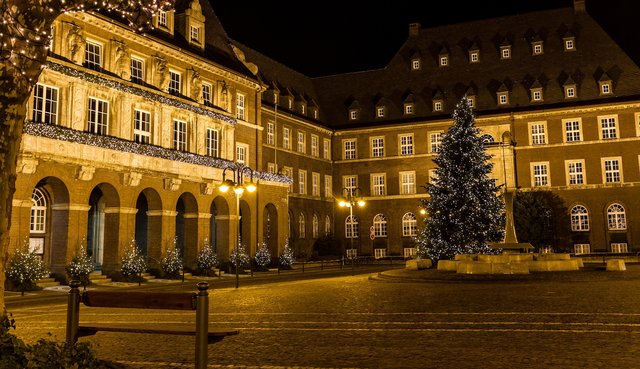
{"x": 537, "y": 48}
{"x": 195, "y": 34}
{"x": 162, "y": 19}
{"x": 536, "y": 94}
{"x": 415, "y": 64}
{"x": 408, "y": 108}
{"x": 437, "y": 105}
{"x": 474, "y": 56}
{"x": 315, "y": 113}
{"x": 303, "y": 109}
{"x": 353, "y": 114}
{"x": 380, "y": 112}
{"x": 570, "y": 91}
{"x": 505, "y": 52}
{"x": 472, "y": 101}
{"x": 605, "y": 87}
{"x": 503, "y": 98}
{"x": 275, "y": 97}
{"x": 569, "y": 44}
{"x": 444, "y": 60}
{"x": 290, "y": 103}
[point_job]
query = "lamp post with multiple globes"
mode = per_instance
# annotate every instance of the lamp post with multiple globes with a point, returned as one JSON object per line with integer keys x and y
{"x": 351, "y": 198}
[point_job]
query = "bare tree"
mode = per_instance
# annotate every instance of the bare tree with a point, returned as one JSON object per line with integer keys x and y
{"x": 25, "y": 35}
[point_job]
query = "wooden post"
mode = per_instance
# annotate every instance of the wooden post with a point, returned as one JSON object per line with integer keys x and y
{"x": 73, "y": 310}
{"x": 202, "y": 325}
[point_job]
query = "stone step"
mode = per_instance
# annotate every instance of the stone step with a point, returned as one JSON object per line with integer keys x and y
{"x": 47, "y": 282}
{"x": 148, "y": 276}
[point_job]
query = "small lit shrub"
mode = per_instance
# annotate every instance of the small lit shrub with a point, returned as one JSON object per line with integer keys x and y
{"x": 25, "y": 269}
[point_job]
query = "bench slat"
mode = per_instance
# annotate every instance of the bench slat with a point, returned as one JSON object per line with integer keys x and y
{"x": 169, "y": 329}
{"x": 140, "y": 300}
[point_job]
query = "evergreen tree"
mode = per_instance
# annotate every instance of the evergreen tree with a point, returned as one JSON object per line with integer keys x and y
{"x": 81, "y": 265}
{"x": 286, "y": 259}
{"x": 263, "y": 257}
{"x": 464, "y": 208}
{"x": 542, "y": 219}
{"x": 25, "y": 268}
{"x": 172, "y": 261}
{"x": 133, "y": 262}
{"x": 207, "y": 260}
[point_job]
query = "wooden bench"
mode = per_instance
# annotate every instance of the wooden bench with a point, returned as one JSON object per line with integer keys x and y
{"x": 147, "y": 300}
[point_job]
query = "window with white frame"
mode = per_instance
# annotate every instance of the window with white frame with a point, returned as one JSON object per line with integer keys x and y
{"x": 472, "y": 101}
{"x": 212, "y": 146}
{"x": 142, "y": 126}
{"x": 98, "y": 117}
{"x": 575, "y": 172}
{"x": 242, "y": 153}
{"x": 474, "y": 56}
{"x": 505, "y": 52}
{"x": 271, "y": 168}
{"x": 351, "y": 227}
{"x": 605, "y": 88}
{"x": 349, "y": 152}
{"x": 582, "y": 248}
{"x": 536, "y": 94}
{"x": 579, "y": 219}
{"x": 315, "y": 184}
{"x": 302, "y": 142}
{"x": 380, "y": 112}
{"x": 435, "y": 142}
{"x": 616, "y": 217}
{"x": 537, "y": 48}
{"x": 406, "y": 144}
{"x": 286, "y": 138}
{"x": 503, "y": 98}
{"x": 619, "y": 247}
{"x": 612, "y": 170}
{"x": 303, "y": 109}
{"x": 608, "y": 127}
{"x": 380, "y": 225}
{"x": 350, "y": 183}
{"x": 302, "y": 231}
{"x": 45, "y": 104}
{"x": 538, "y": 133}
{"x": 93, "y": 55}
{"x": 409, "y": 252}
{"x": 327, "y": 225}
{"x": 569, "y": 44}
{"x": 328, "y": 186}
{"x": 540, "y": 174}
{"x": 270, "y": 133}
{"x": 195, "y": 34}
{"x": 179, "y": 135}
{"x": 444, "y": 60}
{"x": 207, "y": 93}
{"x": 314, "y": 146}
{"x": 437, "y": 105}
{"x": 379, "y": 253}
{"x": 290, "y": 102}
{"x": 315, "y": 226}
{"x": 572, "y": 130}
{"x": 407, "y": 182}
{"x": 162, "y": 18}
{"x": 377, "y": 147}
{"x": 353, "y": 114}
{"x": 137, "y": 70}
{"x": 240, "y": 104}
{"x": 302, "y": 182}
{"x": 326, "y": 149}
{"x": 378, "y": 184}
{"x": 569, "y": 92}
{"x": 38, "y": 219}
{"x": 409, "y": 225}
{"x": 408, "y": 109}
{"x": 415, "y": 64}
{"x": 175, "y": 82}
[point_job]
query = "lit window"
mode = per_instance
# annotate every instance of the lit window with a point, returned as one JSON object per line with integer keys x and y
{"x": 537, "y": 48}
{"x": 503, "y": 98}
{"x": 353, "y": 114}
{"x": 582, "y": 248}
{"x": 407, "y": 183}
{"x": 38, "y": 218}
{"x": 327, "y": 225}
{"x": 377, "y": 147}
{"x": 212, "y": 143}
{"x": 207, "y": 94}
{"x": 415, "y": 64}
{"x": 474, "y": 56}
{"x": 569, "y": 92}
{"x": 179, "y": 135}
{"x": 612, "y": 170}
{"x": 175, "y": 80}
{"x": 538, "y": 133}
{"x": 619, "y": 247}
{"x": 303, "y": 109}
{"x": 573, "y": 132}
{"x": 569, "y": 44}
{"x": 302, "y": 232}
{"x": 315, "y": 184}
{"x": 326, "y": 149}
{"x": 286, "y": 138}
{"x": 93, "y": 56}
{"x": 314, "y": 145}
{"x": 435, "y": 142}
{"x": 408, "y": 109}
{"x": 540, "y": 174}
{"x": 302, "y": 182}
{"x": 505, "y": 52}
{"x": 444, "y": 61}
{"x": 349, "y": 149}
{"x": 315, "y": 226}
{"x": 579, "y": 219}
{"x": 328, "y": 186}
{"x": 290, "y": 103}
{"x": 536, "y": 94}
{"x": 378, "y": 184}
{"x": 242, "y": 153}
{"x": 302, "y": 142}
{"x": 137, "y": 70}
{"x": 471, "y": 100}
{"x": 380, "y": 225}
{"x": 240, "y": 106}
{"x": 351, "y": 227}
{"x": 380, "y": 112}
{"x": 575, "y": 172}
{"x": 350, "y": 183}
{"x": 409, "y": 225}
{"x": 142, "y": 126}
{"x": 98, "y": 117}
{"x": 608, "y": 128}
{"x": 195, "y": 34}
{"x": 605, "y": 88}
{"x": 162, "y": 18}
{"x": 437, "y": 105}
{"x": 616, "y": 217}
{"x": 45, "y": 104}
{"x": 406, "y": 145}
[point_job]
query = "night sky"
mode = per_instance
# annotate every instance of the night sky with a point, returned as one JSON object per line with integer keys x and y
{"x": 328, "y": 37}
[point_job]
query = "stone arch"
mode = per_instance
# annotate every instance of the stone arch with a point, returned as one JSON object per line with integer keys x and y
{"x": 103, "y": 226}
{"x": 148, "y": 228}
{"x": 219, "y": 228}
{"x": 270, "y": 228}
{"x": 187, "y": 227}
{"x": 55, "y": 238}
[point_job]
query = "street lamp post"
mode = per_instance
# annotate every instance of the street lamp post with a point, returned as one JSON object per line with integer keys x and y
{"x": 352, "y": 196}
{"x": 238, "y": 187}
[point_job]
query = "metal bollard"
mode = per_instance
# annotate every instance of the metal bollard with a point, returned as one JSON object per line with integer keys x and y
{"x": 202, "y": 325}
{"x": 73, "y": 312}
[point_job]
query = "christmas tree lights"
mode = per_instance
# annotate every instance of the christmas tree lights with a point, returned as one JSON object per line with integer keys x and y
{"x": 81, "y": 265}
{"x": 263, "y": 257}
{"x": 172, "y": 261}
{"x": 25, "y": 268}
{"x": 133, "y": 262}
{"x": 207, "y": 260}
{"x": 286, "y": 259}
{"x": 239, "y": 257}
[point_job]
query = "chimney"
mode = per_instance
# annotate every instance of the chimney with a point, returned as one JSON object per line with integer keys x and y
{"x": 414, "y": 29}
{"x": 579, "y": 6}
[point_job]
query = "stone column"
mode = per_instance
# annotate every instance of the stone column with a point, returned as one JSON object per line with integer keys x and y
{"x": 119, "y": 230}
{"x": 163, "y": 224}
{"x": 68, "y": 228}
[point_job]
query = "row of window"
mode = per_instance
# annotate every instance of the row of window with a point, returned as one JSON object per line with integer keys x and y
{"x": 616, "y": 247}
{"x": 537, "y": 48}
{"x": 315, "y": 226}
{"x": 302, "y": 105}
{"x": 616, "y": 218}
{"x": 301, "y": 141}
{"x": 378, "y": 150}
{"x": 575, "y": 172}
{"x": 409, "y": 226}
{"x": 608, "y": 129}
{"x": 406, "y": 183}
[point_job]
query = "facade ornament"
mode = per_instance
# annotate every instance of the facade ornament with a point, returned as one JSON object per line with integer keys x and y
{"x": 27, "y": 165}
{"x": 196, "y": 86}
{"x": 76, "y": 44}
{"x": 206, "y": 188}
{"x": 122, "y": 60}
{"x": 132, "y": 179}
{"x": 86, "y": 172}
{"x": 224, "y": 95}
{"x": 172, "y": 184}
{"x": 162, "y": 73}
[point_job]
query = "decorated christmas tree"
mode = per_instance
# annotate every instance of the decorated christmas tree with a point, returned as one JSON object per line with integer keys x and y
{"x": 81, "y": 265}
{"x": 263, "y": 257}
{"x": 207, "y": 260}
{"x": 172, "y": 261}
{"x": 133, "y": 262}
{"x": 464, "y": 208}
{"x": 239, "y": 257}
{"x": 286, "y": 259}
{"x": 25, "y": 268}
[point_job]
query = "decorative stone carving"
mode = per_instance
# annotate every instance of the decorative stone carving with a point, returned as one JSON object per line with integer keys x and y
{"x": 27, "y": 166}
{"x": 132, "y": 179}
{"x": 196, "y": 86}
{"x": 242, "y": 58}
{"x": 76, "y": 44}
{"x": 85, "y": 173}
{"x": 162, "y": 73}
{"x": 206, "y": 188}
{"x": 122, "y": 60}
{"x": 172, "y": 184}
{"x": 224, "y": 95}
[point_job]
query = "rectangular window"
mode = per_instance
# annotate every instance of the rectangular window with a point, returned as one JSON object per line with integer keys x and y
{"x": 608, "y": 127}
{"x": 326, "y": 149}
{"x": 380, "y": 253}
{"x": 575, "y": 172}
{"x": 435, "y": 142}
{"x": 408, "y": 109}
{"x": 315, "y": 184}
{"x": 380, "y": 112}
{"x": 195, "y": 34}
{"x": 605, "y": 88}
{"x": 505, "y": 52}
{"x": 45, "y": 104}
{"x": 538, "y": 133}
{"x": 377, "y": 147}
{"x": 568, "y": 44}
{"x": 270, "y": 133}
{"x": 328, "y": 187}
{"x": 474, "y": 56}
{"x": 137, "y": 70}
{"x": 142, "y": 126}
{"x": 570, "y": 92}
{"x": 162, "y": 18}
{"x": 212, "y": 143}
{"x": 612, "y": 170}
{"x": 444, "y": 61}
{"x": 240, "y": 106}
{"x": 572, "y": 131}
{"x": 378, "y": 184}
{"x": 540, "y": 174}
{"x": 582, "y": 248}
{"x": 207, "y": 94}
{"x": 286, "y": 138}
{"x": 350, "y": 183}
{"x": 407, "y": 183}
{"x": 433, "y": 176}
{"x": 302, "y": 182}
{"x": 620, "y": 247}
{"x": 406, "y": 144}
{"x": 179, "y": 135}
{"x": 93, "y": 56}
{"x": 409, "y": 252}
{"x": 271, "y": 168}
{"x": 98, "y": 116}
{"x": 415, "y": 64}
{"x": 503, "y": 98}
{"x": 537, "y": 49}
{"x": 472, "y": 101}
{"x": 302, "y": 142}
{"x": 242, "y": 153}
{"x": 314, "y": 146}
{"x": 175, "y": 83}
{"x": 537, "y": 95}
{"x": 437, "y": 106}
{"x": 349, "y": 149}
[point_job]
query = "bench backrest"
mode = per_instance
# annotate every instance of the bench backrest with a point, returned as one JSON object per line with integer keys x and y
{"x": 140, "y": 300}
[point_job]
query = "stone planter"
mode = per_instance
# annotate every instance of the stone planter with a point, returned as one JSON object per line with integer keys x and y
{"x": 418, "y": 264}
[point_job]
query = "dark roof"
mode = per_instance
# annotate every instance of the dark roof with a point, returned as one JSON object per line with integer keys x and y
{"x": 595, "y": 56}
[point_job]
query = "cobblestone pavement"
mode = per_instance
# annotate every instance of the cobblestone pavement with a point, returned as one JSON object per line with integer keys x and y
{"x": 583, "y": 320}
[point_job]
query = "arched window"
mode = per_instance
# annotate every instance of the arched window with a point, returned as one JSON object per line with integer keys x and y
{"x": 315, "y": 226}
{"x": 351, "y": 227}
{"x": 301, "y": 225}
{"x": 409, "y": 225}
{"x": 579, "y": 218}
{"x": 380, "y": 225}
{"x": 616, "y": 217}
{"x": 327, "y": 225}
{"x": 38, "y": 211}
